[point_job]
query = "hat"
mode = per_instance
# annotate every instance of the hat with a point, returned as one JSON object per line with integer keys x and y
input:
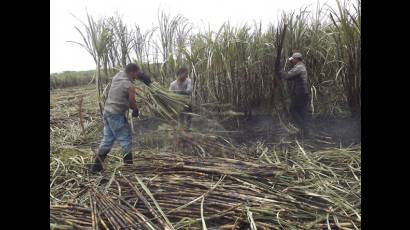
{"x": 295, "y": 55}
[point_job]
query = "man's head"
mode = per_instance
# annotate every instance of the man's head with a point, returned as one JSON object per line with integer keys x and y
{"x": 296, "y": 57}
{"x": 182, "y": 74}
{"x": 132, "y": 70}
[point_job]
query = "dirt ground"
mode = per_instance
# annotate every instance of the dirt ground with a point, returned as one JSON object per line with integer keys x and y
{"x": 324, "y": 132}
{"x": 344, "y": 131}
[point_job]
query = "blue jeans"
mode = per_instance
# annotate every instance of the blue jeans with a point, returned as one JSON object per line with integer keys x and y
{"x": 116, "y": 127}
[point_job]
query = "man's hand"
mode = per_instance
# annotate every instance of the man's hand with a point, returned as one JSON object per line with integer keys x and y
{"x": 135, "y": 113}
{"x": 144, "y": 78}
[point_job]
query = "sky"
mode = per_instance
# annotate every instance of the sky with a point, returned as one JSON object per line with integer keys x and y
{"x": 65, "y": 56}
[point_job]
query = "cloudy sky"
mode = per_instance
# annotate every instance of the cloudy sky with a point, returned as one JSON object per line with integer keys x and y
{"x": 68, "y": 56}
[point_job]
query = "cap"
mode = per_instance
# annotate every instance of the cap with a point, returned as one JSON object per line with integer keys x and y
{"x": 295, "y": 55}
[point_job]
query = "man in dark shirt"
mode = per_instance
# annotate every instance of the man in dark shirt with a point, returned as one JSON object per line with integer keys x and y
{"x": 300, "y": 97}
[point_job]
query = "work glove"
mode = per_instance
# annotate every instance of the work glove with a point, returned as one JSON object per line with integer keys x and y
{"x": 135, "y": 113}
{"x": 144, "y": 78}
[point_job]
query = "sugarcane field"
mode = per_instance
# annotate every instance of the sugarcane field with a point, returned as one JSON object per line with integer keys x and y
{"x": 178, "y": 126}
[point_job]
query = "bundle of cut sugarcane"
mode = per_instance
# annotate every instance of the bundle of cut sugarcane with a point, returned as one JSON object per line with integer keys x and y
{"x": 160, "y": 101}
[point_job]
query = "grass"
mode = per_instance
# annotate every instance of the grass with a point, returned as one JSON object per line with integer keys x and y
{"x": 72, "y": 79}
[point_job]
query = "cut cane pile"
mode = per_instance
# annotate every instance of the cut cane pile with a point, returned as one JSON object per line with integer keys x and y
{"x": 274, "y": 188}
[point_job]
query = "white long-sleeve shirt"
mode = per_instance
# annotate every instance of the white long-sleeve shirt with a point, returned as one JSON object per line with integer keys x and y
{"x": 184, "y": 88}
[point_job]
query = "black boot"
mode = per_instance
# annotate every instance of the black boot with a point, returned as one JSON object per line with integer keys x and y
{"x": 128, "y": 158}
{"x": 99, "y": 159}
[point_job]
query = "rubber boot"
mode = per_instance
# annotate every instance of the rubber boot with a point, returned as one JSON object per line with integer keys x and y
{"x": 99, "y": 159}
{"x": 128, "y": 158}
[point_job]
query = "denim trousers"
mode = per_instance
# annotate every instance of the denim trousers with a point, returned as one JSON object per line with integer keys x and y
{"x": 116, "y": 127}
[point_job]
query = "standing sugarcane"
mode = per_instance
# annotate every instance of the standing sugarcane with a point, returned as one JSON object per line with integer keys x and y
{"x": 97, "y": 40}
{"x": 279, "y": 93}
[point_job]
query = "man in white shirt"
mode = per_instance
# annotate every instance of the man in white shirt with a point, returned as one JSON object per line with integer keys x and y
{"x": 183, "y": 85}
